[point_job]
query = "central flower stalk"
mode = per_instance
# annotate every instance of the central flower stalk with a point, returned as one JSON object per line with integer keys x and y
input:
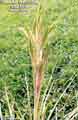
{"x": 37, "y": 39}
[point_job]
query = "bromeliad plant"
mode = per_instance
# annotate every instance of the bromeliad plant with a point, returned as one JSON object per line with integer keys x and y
{"x": 37, "y": 38}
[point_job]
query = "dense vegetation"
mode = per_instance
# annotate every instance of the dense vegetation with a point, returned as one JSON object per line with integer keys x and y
{"x": 61, "y": 71}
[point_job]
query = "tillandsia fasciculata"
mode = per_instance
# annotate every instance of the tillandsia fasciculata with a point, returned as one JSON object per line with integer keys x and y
{"x": 37, "y": 37}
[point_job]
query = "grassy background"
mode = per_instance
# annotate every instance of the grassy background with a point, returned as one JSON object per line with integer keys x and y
{"x": 63, "y": 58}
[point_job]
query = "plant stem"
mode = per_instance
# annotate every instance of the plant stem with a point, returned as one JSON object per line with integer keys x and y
{"x": 38, "y": 79}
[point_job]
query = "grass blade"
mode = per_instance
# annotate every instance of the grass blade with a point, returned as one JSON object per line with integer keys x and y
{"x": 51, "y": 112}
